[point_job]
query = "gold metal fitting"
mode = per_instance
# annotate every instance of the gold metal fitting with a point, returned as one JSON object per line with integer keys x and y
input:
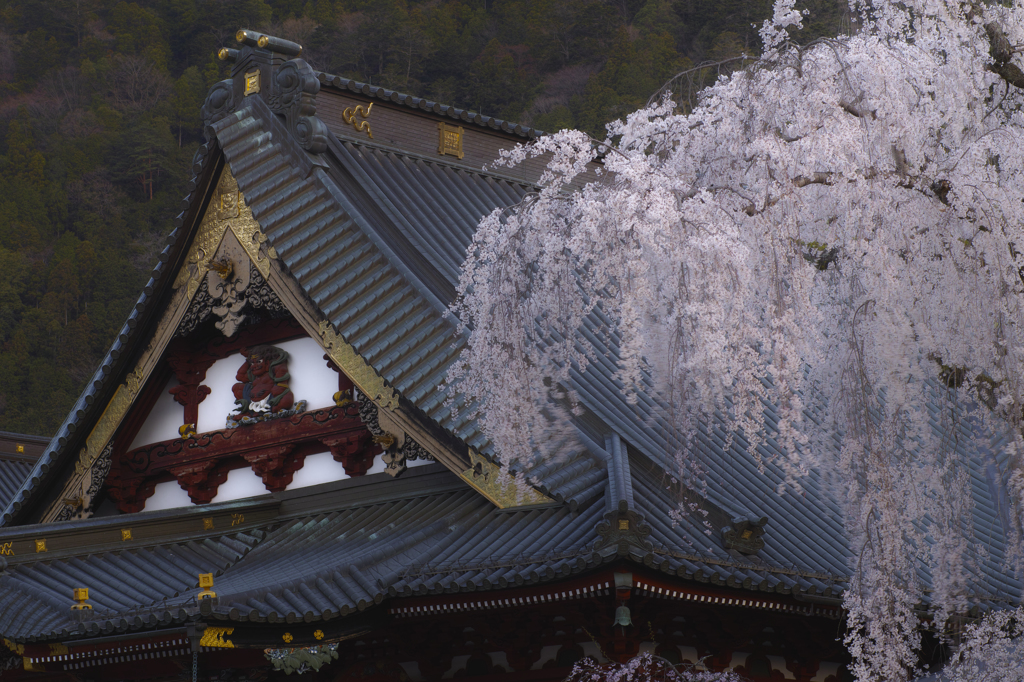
{"x": 81, "y": 594}
{"x": 206, "y": 582}
{"x": 223, "y": 53}
{"x": 262, "y": 42}
{"x": 385, "y": 441}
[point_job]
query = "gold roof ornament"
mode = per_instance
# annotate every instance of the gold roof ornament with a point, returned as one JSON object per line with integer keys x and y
{"x": 206, "y": 582}
{"x": 81, "y": 595}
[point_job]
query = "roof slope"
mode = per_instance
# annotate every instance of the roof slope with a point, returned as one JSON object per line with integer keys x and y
{"x": 375, "y": 239}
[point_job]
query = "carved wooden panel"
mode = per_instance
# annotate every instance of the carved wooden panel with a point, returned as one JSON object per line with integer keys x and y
{"x": 273, "y": 449}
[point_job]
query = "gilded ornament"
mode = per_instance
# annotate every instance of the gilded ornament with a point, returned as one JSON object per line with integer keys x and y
{"x": 206, "y": 582}
{"x": 126, "y": 534}
{"x": 81, "y": 595}
{"x": 252, "y": 82}
{"x": 208, "y": 523}
{"x": 217, "y": 638}
{"x": 237, "y": 519}
{"x": 40, "y": 546}
{"x": 449, "y": 140}
{"x": 7, "y": 549}
{"x": 505, "y": 494}
{"x": 362, "y": 373}
{"x": 229, "y": 211}
{"x": 349, "y": 116}
{"x": 319, "y": 634}
{"x": 287, "y": 637}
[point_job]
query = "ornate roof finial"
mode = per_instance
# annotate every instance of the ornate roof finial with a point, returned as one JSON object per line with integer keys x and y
{"x": 270, "y": 67}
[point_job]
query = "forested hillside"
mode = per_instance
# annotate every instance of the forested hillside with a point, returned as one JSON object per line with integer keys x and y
{"x": 99, "y": 104}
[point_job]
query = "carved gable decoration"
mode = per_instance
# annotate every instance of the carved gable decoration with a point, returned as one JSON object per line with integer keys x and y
{"x": 228, "y": 212}
{"x": 262, "y": 390}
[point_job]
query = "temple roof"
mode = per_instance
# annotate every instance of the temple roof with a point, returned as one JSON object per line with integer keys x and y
{"x": 372, "y": 238}
{"x": 18, "y": 453}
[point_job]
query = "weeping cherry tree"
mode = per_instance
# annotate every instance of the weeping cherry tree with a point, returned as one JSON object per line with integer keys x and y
{"x": 836, "y": 230}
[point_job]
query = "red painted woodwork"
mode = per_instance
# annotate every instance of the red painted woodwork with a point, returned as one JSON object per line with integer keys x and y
{"x": 274, "y": 449}
{"x": 350, "y": 449}
{"x": 275, "y": 465}
{"x": 190, "y": 370}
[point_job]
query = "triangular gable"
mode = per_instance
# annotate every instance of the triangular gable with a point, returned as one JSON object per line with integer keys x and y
{"x": 228, "y": 222}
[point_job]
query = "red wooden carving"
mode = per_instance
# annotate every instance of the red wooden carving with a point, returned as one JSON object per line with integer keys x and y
{"x": 200, "y": 479}
{"x": 275, "y": 465}
{"x": 263, "y": 382}
{"x": 274, "y": 450}
{"x": 190, "y": 370}
{"x": 350, "y": 449}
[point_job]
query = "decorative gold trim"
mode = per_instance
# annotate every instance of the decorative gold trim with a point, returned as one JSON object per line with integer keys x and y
{"x": 449, "y": 140}
{"x": 486, "y": 478}
{"x": 227, "y": 211}
{"x": 349, "y": 116}
{"x": 223, "y": 207}
{"x": 217, "y": 638}
{"x": 40, "y": 546}
{"x": 362, "y": 373}
{"x": 252, "y": 82}
{"x": 126, "y": 534}
{"x": 7, "y": 549}
{"x": 208, "y": 523}
{"x": 251, "y": 237}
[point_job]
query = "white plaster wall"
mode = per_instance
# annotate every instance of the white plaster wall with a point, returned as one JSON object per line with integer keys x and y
{"x": 779, "y": 663}
{"x": 163, "y": 420}
{"x": 241, "y": 483}
{"x": 214, "y": 411}
{"x": 317, "y": 469}
{"x": 547, "y": 653}
{"x": 167, "y": 495}
{"x": 311, "y": 380}
{"x": 412, "y": 669}
{"x": 378, "y": 466}
{"x": 458, "y": 663}
{"x": 593, "y": 650}
{"x": 825, "y": 670}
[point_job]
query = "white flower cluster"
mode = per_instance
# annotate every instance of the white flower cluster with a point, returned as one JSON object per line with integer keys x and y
{"x": 837, "y": 231}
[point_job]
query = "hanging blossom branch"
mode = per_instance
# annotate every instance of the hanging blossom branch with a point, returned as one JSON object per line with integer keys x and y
{"x": 836, "y": 231}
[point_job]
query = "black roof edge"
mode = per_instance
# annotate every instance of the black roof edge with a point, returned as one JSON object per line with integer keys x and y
{"x": 38, "y": 490}
{"x": 423, "y": 104}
